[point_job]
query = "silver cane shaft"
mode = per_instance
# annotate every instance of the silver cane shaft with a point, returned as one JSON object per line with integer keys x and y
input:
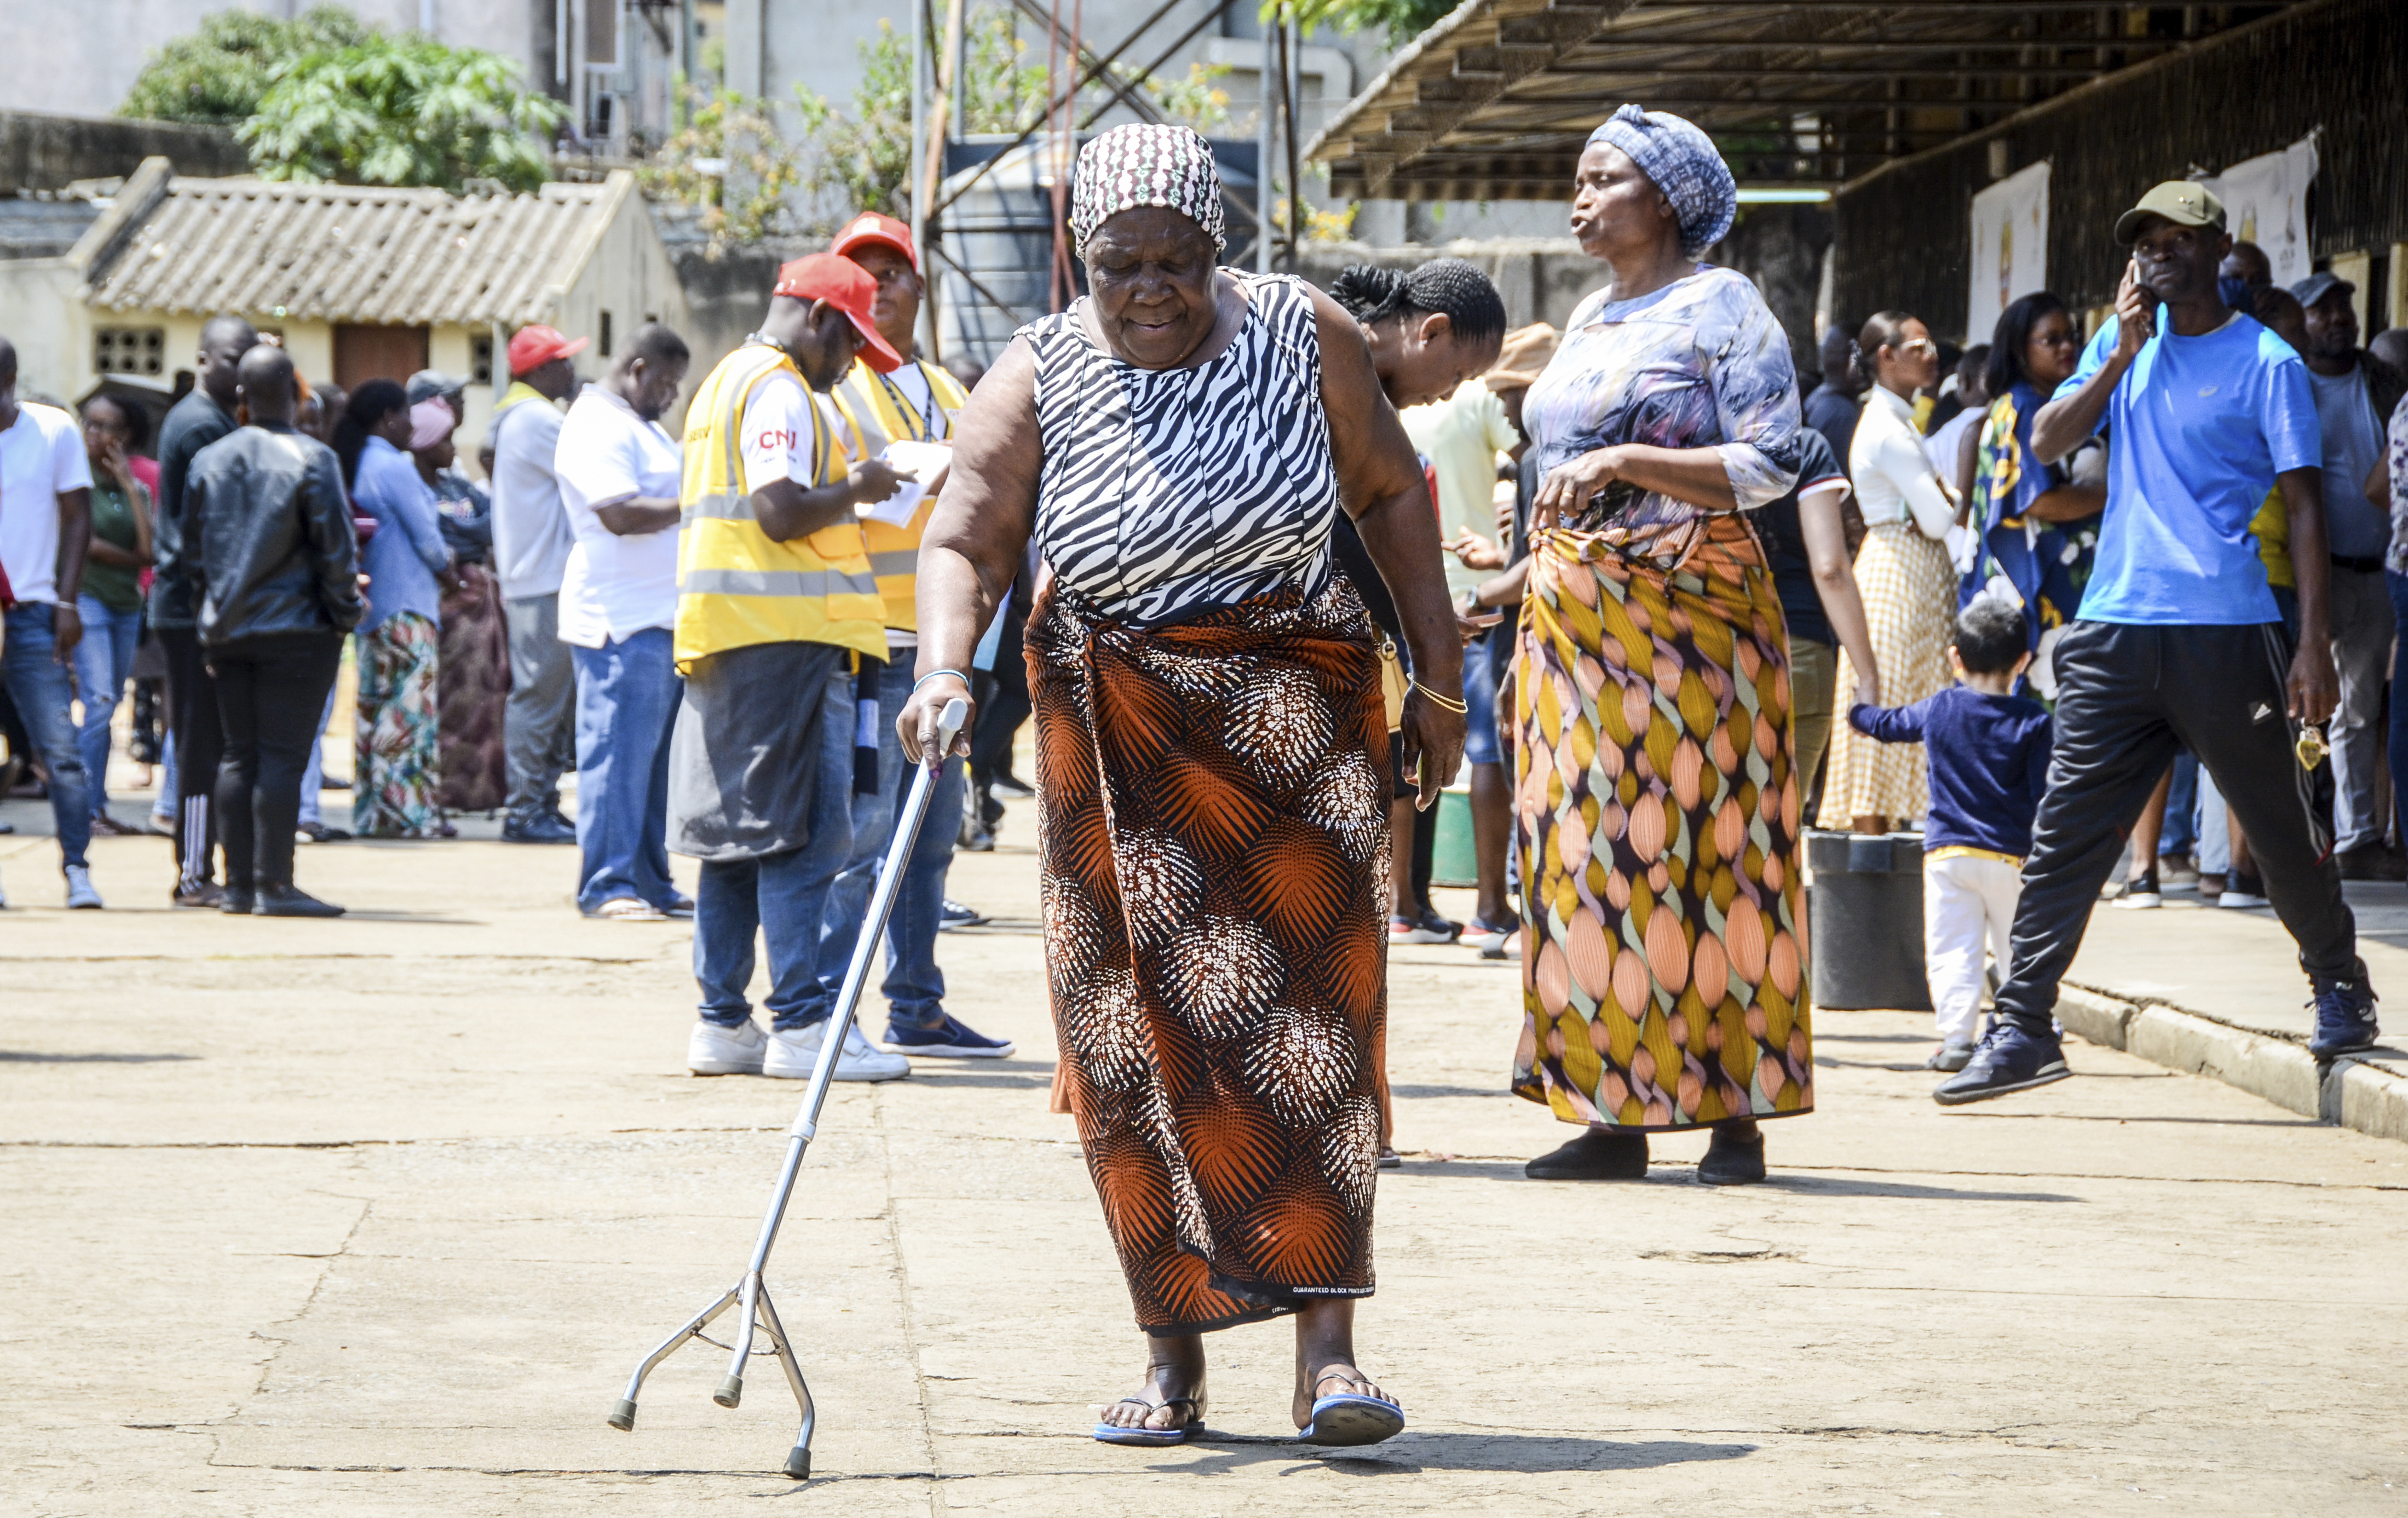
{"x": 856, "y": 975}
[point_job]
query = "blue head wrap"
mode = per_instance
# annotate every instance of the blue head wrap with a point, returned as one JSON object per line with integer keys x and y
{"x": 1681, "y": 160}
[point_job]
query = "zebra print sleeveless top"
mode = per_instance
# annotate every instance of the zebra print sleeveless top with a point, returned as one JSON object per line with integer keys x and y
{"x": 1166, "y": 494}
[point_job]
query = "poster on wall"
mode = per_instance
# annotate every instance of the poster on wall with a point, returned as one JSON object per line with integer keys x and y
{"x": 2010, "y": 246}
{"x": 2266, "y": 202}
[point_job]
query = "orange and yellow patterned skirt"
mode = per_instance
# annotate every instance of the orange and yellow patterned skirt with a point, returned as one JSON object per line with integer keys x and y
{"x": 1213, "y": 848}
{"x": 1664, "y": 942}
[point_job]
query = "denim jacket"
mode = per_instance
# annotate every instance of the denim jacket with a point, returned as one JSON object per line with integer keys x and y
{"x": 406, "y": 550}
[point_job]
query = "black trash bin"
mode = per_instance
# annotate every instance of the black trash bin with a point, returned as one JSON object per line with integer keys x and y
{"x": 1864, "y": 913}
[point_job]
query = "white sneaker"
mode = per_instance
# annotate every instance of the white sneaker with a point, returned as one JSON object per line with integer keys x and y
{"x": 792, "y": 1055}
{"x": 80, "y": 895}
{"x": 712, "y": 1049}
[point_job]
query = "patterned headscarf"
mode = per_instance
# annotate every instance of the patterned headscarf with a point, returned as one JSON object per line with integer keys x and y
{"x": 1681, "y": 162}
{"x": 1145, "y": 166}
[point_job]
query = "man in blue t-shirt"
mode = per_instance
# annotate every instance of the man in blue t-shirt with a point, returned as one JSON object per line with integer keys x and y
{"x": 2178, "y": 641}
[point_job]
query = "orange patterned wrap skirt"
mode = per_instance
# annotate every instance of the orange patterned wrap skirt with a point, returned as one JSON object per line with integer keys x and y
{"x": 1664, "y": 941}
{"x": 1213, "y": 857}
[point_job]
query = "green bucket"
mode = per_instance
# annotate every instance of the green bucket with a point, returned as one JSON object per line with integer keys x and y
{"x": 1454, "y": 862}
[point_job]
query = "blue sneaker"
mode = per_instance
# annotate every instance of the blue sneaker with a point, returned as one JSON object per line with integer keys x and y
{"x": 952, "y": 1038}
{"x": 2344, "y": 1014}
{"x": 2009, "y": 1059}
{"x": 953, "y": 914}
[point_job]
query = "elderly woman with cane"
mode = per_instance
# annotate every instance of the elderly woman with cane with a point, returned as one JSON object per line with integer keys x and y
{"x": 1663, "y": 929}
{"x": 1213, "y": 758}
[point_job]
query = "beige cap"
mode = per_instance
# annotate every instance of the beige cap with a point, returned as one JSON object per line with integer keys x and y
{"x": 2179, "y": 201}
{"x": 1526, "y": 354}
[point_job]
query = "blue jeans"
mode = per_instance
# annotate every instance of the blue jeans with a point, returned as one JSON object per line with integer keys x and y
{"x": 626, "y": 698}
{"x": 1480, "y": 745}
{"x": 102, "y": 662}
{"x": 915, "y": 988}
{"x": 2399, "y": 588}
{"x": 782, "y": 896}
{"x": 314, "y": 779}
{"x": 2181, "y": 831}
{"x": 39, "y": 687}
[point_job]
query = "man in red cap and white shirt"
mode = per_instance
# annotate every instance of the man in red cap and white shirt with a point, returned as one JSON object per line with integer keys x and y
{"x": 915, "y": 404}
{"x": 777, "y": 610}
{"x": 531, "y": 544}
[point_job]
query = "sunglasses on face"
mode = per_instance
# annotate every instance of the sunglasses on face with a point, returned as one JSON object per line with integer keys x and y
{"x": 1917, "y": 347}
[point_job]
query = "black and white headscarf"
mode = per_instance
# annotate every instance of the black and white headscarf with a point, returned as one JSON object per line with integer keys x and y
{"x": 1146, "y": 165}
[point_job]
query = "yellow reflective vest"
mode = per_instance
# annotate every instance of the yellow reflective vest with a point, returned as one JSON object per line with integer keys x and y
{"x": 736, "y": 585}
{"x": 881, "y": 413}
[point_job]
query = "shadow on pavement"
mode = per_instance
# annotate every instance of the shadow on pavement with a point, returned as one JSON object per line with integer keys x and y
{"x": 1910, "y": 1190}
{"x": 30, "y": 1057}
{"x": 1411, "y": 1453}
{"x": 1675, "y": 1174}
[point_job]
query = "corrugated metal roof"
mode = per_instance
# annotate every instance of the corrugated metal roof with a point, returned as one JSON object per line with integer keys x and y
{"x": 1497, "y": 100}
{"x": 340, "y": 253}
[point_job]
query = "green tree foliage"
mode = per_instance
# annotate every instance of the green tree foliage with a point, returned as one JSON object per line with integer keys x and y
{"x": 402, "y": 113}
{"x": 1402, "y": 20}
{"x": 219, "y": 74}
{"x": 727, "y": 136}
{"x": 865, "y": 153}
{"x": 865, "y": 156}
{"x": 325, "y": 97}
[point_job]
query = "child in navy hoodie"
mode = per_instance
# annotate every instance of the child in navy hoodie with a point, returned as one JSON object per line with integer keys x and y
{"x": 1988, "y": 756}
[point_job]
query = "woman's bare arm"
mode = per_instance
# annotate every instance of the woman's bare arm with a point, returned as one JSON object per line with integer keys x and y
{"x": 971, "y": 550}
{"x": 1695, "y": 475}
{"x": 2068, "y": 503}
{"x": 1382, "y": 484}
{"x": 1835, "y": 585}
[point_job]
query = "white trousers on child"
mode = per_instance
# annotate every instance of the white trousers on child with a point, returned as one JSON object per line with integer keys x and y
{"x": 1969, "y": 905}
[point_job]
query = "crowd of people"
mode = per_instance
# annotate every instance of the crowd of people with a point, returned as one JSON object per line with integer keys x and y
{"x": 1267, "y": 563}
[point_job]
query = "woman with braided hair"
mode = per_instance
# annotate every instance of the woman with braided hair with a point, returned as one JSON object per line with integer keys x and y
{"x": 1212, "y": 758}
{"x": 1430, "y": 332}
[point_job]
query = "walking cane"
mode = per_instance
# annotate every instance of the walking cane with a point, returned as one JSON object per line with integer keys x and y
{"x": 750, "y": 1294}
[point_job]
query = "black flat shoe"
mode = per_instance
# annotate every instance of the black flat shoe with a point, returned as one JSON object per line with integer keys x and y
{"x": 291, "y": 901}
{"x": 1594, "y": 1156}
{"x": 1732, "y": 1161}
{"x": 237, "y": 901}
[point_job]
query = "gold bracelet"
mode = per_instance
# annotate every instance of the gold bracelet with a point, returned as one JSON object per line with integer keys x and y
{"x": 1458, "y": 708}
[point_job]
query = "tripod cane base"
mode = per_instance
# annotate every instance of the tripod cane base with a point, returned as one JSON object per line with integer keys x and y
{"x": 762, "y": 1321}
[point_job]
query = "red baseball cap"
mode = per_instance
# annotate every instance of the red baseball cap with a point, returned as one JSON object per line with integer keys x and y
{"x": 871, "y": 229}
{"x": 531, "y": 348}
{"x": 847, "y": 286}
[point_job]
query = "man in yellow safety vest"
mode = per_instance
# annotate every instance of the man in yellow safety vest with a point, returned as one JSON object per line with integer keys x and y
{"x": 777, "y": 610}
{"x": 915, "y": 403}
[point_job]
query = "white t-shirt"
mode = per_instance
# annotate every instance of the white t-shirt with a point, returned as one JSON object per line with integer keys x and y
{"x": 41, "y": 457}
{"x": 1461, "y": 436}
{"x": 777, "y": 435}
{"x": 530, "y": 535}
{"x": 614, "y": 587}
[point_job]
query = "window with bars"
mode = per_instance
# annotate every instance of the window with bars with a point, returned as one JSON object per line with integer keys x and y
{"x": 130, "y": 350}
{"x": 480, "y": 361}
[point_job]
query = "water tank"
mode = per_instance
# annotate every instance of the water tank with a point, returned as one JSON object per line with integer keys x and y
{"x": 1864, "y": 914}
{"x": 994, "y": 259}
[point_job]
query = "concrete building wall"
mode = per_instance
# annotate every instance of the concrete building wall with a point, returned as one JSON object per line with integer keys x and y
{"x": 629, "y": 276}
{"x": 40, "y": 315}
{"x": 79, "y": 57}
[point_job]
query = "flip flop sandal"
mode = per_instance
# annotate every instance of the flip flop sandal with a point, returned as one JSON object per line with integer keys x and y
{"x": 1115, "y": 1434}
{"x": 1351, "y": 1418}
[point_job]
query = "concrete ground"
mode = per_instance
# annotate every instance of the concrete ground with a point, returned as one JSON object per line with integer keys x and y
{"x": 374, "y": 1217}
{"x": 2241, "y": 967}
